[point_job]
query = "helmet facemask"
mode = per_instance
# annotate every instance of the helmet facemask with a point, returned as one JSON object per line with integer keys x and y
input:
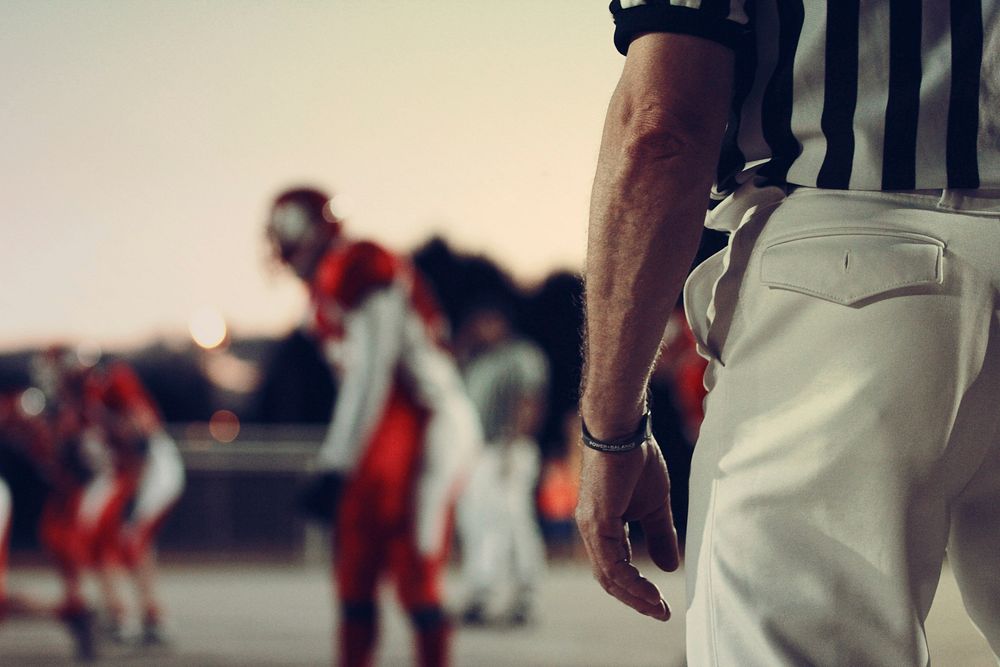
{"x": 298, "y": 236}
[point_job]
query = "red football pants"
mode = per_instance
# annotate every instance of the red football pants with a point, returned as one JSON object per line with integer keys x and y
{"x": 375, "y": 519}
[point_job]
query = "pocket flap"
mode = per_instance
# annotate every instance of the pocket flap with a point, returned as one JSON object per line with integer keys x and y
{"x": 848, "y": 266}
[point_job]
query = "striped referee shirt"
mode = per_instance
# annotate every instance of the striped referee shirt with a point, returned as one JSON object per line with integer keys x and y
{"x": 845, "y": 94}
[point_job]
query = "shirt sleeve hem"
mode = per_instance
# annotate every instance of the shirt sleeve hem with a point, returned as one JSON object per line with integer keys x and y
{"x": 632, "y": 22}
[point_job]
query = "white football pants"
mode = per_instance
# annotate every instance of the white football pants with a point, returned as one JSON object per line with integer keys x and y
{"x": 850, "y": 436}
{"x": 497, "y": 523}
{"x": 162, "y": 480}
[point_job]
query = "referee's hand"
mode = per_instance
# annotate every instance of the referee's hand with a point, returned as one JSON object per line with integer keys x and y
{"x": 617, "y": 488}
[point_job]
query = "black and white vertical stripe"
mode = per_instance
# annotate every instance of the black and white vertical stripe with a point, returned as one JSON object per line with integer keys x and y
{"x": 849, "y": 94}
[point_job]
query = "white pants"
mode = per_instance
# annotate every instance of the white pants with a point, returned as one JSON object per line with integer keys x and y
{"x": 6, "y": 507}
{"x": 162, "y": 480}
{"x": 5, "y": 517}
{"x": 452, "y": 440}
{"x": 5, "y": 510}
{"x": 501, "y": 540}
{"x": 850, "y": 435}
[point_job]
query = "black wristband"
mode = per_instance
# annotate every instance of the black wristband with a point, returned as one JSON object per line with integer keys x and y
{"x": 641, "y": 435}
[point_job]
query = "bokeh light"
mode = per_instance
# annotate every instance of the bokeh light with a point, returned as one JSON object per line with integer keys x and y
{"x": 89, "y": 353}
{"x": 340, "y": 207}
{"x": 208, "y": 328}
{"x": 224, "y": 425}
{"x": 32, "y": 401}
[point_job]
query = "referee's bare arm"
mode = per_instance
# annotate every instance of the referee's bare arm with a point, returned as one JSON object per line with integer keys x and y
{"x": 661, "y": 143}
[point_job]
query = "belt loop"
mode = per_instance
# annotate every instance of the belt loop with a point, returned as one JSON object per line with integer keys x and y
{"x": 950, "y": 199}
{"x": 985, "y": 201}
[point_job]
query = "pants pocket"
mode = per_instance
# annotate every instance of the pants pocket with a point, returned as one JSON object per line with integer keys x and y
{"x": 853, "y": 267}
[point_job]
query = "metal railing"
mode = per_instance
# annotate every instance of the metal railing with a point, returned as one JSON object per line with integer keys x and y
{"x": 240, "y": 496}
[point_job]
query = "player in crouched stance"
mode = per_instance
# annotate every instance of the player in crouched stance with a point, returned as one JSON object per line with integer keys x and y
{"x": 115, "y": 476}
{"x": 403, "y": 430}
{"x": 146, "y": 479}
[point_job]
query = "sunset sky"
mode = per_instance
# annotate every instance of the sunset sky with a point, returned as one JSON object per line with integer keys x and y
{"x": 142, "y": 141}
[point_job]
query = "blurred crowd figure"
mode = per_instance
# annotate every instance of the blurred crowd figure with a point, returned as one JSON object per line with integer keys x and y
{"x": 503, "y": 555}
{"x": 403, "y": 431}
{"x": 677, "y": 389}
{"x": 94, "y": 435}
{"x": 558, "y": 487}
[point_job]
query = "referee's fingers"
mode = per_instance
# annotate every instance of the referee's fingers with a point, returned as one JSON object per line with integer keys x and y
{"x": 661, "y": 537}
{"x": 611, "y": 559}
{"x": 636, "y": 591}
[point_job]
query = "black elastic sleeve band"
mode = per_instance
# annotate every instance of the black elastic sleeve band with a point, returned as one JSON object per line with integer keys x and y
{"x": 634, "y": 21}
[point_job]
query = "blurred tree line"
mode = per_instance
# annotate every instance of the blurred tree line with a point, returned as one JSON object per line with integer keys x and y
{"x": 293, "y": 383}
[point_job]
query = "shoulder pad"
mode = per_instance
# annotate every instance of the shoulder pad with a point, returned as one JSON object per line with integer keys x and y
{"x": 122, "y": 387}
{"x": 351, "y": 274}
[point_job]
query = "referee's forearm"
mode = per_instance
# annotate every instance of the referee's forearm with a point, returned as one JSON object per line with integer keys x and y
{"x": 660, "y": 147}
{"x": 646, "y": 217}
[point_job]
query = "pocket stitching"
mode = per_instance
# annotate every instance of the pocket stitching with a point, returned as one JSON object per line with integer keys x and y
{"x": 852, "y": 297}
{"x": 854, "y": 231}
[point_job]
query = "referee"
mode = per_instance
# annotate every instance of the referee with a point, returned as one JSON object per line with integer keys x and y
{"x": 851, "y": 324}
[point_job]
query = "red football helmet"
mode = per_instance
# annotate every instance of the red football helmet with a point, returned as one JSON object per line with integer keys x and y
{"x": 300, "y": 227}
{"x": 59, "y": 372}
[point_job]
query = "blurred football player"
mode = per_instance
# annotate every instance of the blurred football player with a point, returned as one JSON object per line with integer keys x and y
{"x": 15, "y": 605}
{"x": 402, "y": 430}
{"x": 57, "y": 442}
{"x": 148, "y": 478}
{"x": 116, "y": 475}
